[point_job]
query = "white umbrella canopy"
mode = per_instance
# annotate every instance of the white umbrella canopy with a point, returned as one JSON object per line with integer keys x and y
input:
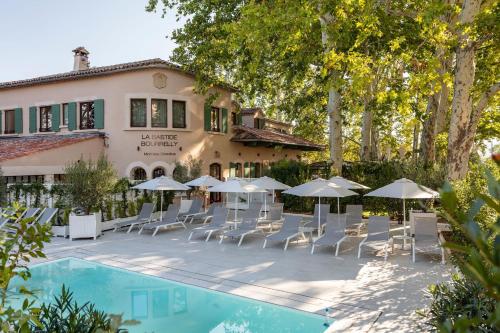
{"x": 206, "y": 181}
{"x": 162, "y": 183}
{"x": 320, "y": 188}
{"x": 404, "y": 189}
{"x": 236, "y": 186}
{"x": 346, "y": 183}
{"x": 269, "y": 184}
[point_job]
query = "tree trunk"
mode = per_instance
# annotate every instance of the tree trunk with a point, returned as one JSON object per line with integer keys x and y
{"x": 374, "y": 156}
{"x": 428, "y": 138}
{"x": 444, "y": 103}
{"x": 333, "y": 106}
{"x": 416, "y": 133}
{"x": 461, "y": 106}
{"x": 335, "y": 123}
{"x": 366, "y": 131}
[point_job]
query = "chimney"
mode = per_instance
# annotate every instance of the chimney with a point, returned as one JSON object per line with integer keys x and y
{"x": 81, "y": 59}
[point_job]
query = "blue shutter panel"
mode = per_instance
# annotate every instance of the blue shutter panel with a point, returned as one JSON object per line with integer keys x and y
{"x": 18, "y": 119}
{"x": 32, "y": 119}
{"x": 72, "y": 116}
{"x": 56, "y": 117}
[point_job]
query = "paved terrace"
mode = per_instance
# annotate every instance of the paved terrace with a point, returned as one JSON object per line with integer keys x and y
{"x": 366, "y": 295}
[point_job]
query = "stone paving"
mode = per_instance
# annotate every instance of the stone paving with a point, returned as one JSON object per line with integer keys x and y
{"x": 365, "y": 295}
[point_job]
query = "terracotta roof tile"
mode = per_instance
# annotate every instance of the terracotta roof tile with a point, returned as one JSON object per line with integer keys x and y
{"x": 100, "y": 71}
{"x": 15, "y": 147}
{"x": 247, "y": 134}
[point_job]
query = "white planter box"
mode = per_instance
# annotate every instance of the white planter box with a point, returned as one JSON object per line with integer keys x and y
{"x": 86, "y": 226}
{"x": 60, "y": 231}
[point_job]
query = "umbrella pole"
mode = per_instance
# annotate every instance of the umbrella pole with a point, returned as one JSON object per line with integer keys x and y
{"x": 338, "y": 206}
{"x": 161, "y": 205}
{"x": 319, "y": 217}
{"x": 273, "y": 195}
{"x": 265, "y": 205}
{"x": 235, "y": 209}
{"x": 404, "y": 223}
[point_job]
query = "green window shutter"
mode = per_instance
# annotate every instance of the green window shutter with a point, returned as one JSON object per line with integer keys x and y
{"x": 18, "y": 119}
{"x": 56, "y": 117}
{"x": 224, "y": 120}
{"x": 71, "y": 116}
{"x": 232, "y": 169}
{"x": 240, "y": 118}
{"x": 99, "y": 113}
{"x": 32, "y": 119}
{"x": 208, "y": 110}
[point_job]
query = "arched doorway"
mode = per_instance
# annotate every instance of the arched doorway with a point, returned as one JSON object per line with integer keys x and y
{"x": 138, "y": 173}
{"x": 158, "y": 172}
{"x": 215, "y": 170}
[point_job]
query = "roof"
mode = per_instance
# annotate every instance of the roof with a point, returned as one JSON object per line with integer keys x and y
{"x": 277, "y": 122}
{"x": 15, "y": 147}
{"x": 264, "y": 137}
{"x": 250, "y": 111}
{"x": 155, "y": 63}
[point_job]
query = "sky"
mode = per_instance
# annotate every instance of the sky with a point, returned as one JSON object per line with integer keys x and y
{"x": 37, "y": 36}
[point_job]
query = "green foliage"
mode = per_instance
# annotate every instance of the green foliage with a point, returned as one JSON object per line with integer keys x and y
{"x": 3, "y": 189}
{"x": 132, "y": 209}
{"x": 292, "y": 173}
{"x": 18, "y": 247}
{"x": 472, "y": 302}
{"x": 89, "y": 183}
{"x": 65, "y": 315}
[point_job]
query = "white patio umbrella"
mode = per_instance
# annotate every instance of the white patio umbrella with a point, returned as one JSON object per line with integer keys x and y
{"x": 205, "y": 181}
{"x": 269, "y": 183}
{"x": 404, "y": 189}
{"x": 162, "y": 183}
{"x": 348, "y": 184}
{"x": 236, "y": 186}
{"x": 320, "y": 188}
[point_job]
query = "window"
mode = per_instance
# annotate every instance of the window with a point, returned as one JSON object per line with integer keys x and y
{"x": 158, "y": 113}
{"x": 138, "y": 112}
{"x": 64, "y": 116}
{"x": 10, "y": 121}
{"x": 87, "y": 115}
{"x": 235, "y": 170}
{"x": 139, "y": 173}
{"x": 179, "y": 114}
{"x": 215, "y": 119}
{"x": 259, "y": 123}
{"x": 158, "y": 172}
{"x": 45, "y": 119}
{"x": 256, "y": 170}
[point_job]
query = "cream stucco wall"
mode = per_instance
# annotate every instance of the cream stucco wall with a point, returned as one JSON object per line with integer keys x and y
{"x": 126, "y": 146}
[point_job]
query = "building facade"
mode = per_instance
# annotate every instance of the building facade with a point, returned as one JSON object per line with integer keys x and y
{"x": 144, "y": 116}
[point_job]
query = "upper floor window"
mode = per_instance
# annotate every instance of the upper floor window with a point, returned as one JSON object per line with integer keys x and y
{"x": 64, "y": 115}
{"x": 138, "y": 112}
{"x": 87, "y": 115}
{"x": 158, "y": 113}
{"x": 179, "y": 114}
{"x": 10, "y": 121}
{"x": 158, "y": 172}
{"x": 259, "y": 123}
{"x": 45, "y": 119}
{"x": 215, "y": 119}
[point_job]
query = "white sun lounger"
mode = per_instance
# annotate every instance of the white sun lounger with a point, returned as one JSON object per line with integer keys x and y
{"x": 143, "y": 217}
{"x": 217, "y": 224}
{"x": 426, "y": 237}
{"x": 334, "y": 233}
{"x": 169, "y": 219}
{"x": 289, "y": 230}
{"x": 378, "y": 234}
{"x": 247, "y": 227}
{"x": 194, "y": 209}
{"x": 205, "y": 216}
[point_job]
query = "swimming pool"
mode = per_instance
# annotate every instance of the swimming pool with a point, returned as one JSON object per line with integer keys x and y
{"x": 164, "y": 306}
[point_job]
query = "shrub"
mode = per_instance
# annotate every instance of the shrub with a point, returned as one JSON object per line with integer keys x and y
{"x": 471, "y": 303}
{"x": 89, "y": 183}
{"x": 3, "y": 189}
{"x": 132, "y": 211}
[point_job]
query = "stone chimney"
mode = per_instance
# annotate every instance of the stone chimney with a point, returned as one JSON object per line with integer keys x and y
{"x": 81, "y": 59}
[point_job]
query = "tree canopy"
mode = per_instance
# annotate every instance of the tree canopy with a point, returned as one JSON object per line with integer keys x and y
{"x": 375, "y": 79}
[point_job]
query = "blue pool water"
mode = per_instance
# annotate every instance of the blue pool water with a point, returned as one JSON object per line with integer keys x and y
{"x": 164, "y": 306}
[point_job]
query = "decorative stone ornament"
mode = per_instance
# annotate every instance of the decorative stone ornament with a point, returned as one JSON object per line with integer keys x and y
{"x": 159, "y": 80}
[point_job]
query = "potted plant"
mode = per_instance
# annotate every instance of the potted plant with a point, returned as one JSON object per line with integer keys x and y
{"x": 61, "y": 227}
{"x": 89, "y": 184}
